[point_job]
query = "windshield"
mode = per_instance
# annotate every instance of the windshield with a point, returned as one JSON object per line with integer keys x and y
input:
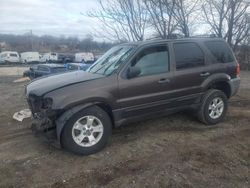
{"x": 111, "y": 60}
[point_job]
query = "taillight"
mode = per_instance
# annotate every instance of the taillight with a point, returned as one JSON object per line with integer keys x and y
{"x": 238, "y": 69}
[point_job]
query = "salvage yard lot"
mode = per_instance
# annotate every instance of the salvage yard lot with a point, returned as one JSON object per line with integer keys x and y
{"x": 172, "y": 151}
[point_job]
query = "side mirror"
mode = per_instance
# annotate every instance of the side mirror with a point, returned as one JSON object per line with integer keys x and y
{"x": 133, "y": 72}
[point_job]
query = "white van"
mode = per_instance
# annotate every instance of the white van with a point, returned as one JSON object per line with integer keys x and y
{"x": 84, "y": 57}
{"x": 47, "y": 57}
{"x": 9, "y": 57}
{"x": 29, "y": 57}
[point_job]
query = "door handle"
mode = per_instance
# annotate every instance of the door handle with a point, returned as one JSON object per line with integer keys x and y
{"x": 204, "y": 74}
{"x": 163, "y": 80}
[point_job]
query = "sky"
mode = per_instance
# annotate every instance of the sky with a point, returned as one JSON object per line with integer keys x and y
{"x": 51, "y": 17}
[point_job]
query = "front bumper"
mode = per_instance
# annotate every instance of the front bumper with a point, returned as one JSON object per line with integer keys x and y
{"x": 234, "y": 85}
{"x": 44, "y": 128}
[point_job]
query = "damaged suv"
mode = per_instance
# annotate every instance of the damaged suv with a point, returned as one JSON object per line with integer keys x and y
{"x": 131, "y": 82}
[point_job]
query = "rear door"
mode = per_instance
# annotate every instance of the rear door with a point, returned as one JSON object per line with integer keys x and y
{"x": 149, "y": 91}
{"x": 191, "y": 70}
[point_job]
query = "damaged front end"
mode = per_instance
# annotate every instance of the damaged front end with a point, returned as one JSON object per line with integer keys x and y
{"x": 43, "y": 124}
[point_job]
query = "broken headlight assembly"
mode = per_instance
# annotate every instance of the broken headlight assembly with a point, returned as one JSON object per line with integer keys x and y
{"x": 47, "y": 103}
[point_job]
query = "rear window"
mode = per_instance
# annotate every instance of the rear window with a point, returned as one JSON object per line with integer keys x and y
{"x": 220, "y": 51}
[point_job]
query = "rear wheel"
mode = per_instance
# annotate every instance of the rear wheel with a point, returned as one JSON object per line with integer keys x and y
{"x": 87, "y": 131}
{"x": 213, "y": 108}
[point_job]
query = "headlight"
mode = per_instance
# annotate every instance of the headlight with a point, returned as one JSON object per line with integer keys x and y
{"x": 47, "y": 103}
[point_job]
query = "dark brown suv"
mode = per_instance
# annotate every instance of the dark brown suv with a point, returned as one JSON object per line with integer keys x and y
{"x": 134, "y": 81}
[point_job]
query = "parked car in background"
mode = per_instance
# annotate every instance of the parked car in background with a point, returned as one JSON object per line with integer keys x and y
{"x": 78, "y": 66}
{"x": 30, "y": 57}
{"x": 135, "y": 81}
{"x": 44, "y": 69}
{"x": 29, "y": 73}
{"x": 9, "y": 57}
{"x": 65, "y": 58}
{"x": 49, "y": 57}
{"x": 84, "y": 57}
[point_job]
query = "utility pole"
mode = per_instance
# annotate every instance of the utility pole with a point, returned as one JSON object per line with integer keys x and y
{"x": 31, "y": 40}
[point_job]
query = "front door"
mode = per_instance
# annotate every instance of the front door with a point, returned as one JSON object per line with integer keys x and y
{"x": 150, "y": 90}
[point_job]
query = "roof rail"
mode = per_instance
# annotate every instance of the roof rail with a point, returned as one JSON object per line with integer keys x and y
{"x": 171, "y": 36}
{"x": 204, "y": 36}
{"x": 154, "y": 38}
{"x": 178, "y": 36}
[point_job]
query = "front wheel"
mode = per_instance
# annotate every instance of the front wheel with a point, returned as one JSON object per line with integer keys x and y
{"x": 87, "y": 131}
{"x": 213, "y": 107}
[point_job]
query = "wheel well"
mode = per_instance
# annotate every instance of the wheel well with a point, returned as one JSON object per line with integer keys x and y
{"x": 107, "y": 109}
{"x": 222, "y": 86}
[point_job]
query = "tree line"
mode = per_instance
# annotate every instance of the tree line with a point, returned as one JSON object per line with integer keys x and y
{"x": 134, "y": 20}
{"x": 47, "y": 43}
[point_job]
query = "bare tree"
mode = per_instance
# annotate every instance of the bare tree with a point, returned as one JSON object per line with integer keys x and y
{"x": 228, "y": 19}
{"x": 215, "y": 12}
{"x": 239, "y": 27}
{"x": 186, "y": 14}
{"x": 121, "y": 20}
{"x": 162, "y": 16}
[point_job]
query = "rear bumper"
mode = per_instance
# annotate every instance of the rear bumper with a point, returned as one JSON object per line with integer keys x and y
{"x": 234, "y": 85}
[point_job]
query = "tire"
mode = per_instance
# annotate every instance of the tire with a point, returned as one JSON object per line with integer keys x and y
{"x": 208, "y": 113}
{"x": 70, "y": 132}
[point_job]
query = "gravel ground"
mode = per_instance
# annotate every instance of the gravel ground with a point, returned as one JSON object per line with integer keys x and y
{"x": 172, "y": 151}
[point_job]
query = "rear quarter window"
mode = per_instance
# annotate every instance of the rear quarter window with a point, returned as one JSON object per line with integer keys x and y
{"x": 221, "y": 51}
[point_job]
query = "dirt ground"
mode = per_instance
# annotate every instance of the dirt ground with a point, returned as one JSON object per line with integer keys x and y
{"x": 172, "y": 151}
{"x": 13, "y": 71}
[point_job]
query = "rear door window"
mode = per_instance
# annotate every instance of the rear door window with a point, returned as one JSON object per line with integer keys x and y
{"x": 188, "y": 55}
{"x": 221, "y": 51}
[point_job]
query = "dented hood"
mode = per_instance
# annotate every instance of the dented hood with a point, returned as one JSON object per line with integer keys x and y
{"x": 46, "y": 84}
